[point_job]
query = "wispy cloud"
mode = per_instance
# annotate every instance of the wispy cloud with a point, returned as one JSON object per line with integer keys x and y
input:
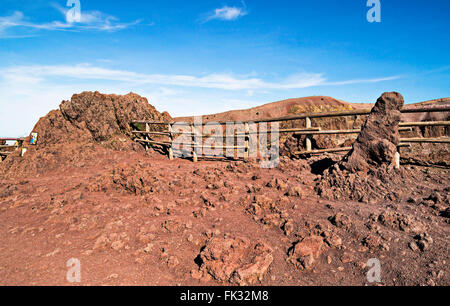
{"x": 361, "y": 81}
{"x": 90, "y": 20}
{"x": 215, "y": 80}
{"x": 226, "y": 13}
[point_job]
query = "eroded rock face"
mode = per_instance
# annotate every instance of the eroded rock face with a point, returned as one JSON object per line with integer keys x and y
{"x": 377, "y": 143}
{"x": 95, "y": 116}
{"x": 236, "y": 260}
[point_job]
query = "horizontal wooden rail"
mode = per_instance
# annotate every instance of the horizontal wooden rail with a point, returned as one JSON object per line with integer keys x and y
{"x": 353, "y": 131}
{"x": 240, "y": 134}
{"x": 151, "y": 133}
{"x": 7, "y": 146}
{"x": 356, "y": 112}
{"x": 444, "y": 108}
{"x": 426, "y": 140}
{"x": 12, "y": 139}
{"x": 329, "y": 132}
{"x": 213, "y": 136}
{"x": 218, "y": 147}
{"x": 425, "y": 123}
{"x": 5, "y": 153}
{"x": 343, "y": 149}
{"x": 283, "y": 131}
{"x": 152, "y": 122}
{"x": 155, "y": 142}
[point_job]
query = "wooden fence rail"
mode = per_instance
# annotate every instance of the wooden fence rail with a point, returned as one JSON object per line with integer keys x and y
{"x": 18, "y": 144}
{"x": 308, "y": 131}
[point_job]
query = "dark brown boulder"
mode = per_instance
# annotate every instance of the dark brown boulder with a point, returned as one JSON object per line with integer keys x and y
{"x": 377, "y": 143}
{"x": 368, "y": 173}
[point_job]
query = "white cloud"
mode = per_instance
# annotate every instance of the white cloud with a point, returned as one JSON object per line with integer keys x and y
{"x": 227, "y": 13}
{"x": 360, "y": 81}
{"x": 90, "y": 20}
{"x": 215, "y": 81}
{"x": 38, "y": 73}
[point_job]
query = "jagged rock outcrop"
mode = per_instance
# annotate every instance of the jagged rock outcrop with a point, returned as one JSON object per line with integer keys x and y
{"x": 95, "y": 116}
{"x": 367, "y": 173}
{"x": 377, "y": 143}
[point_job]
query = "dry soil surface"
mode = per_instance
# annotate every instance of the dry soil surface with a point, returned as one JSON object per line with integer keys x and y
{"x": 136, "y": 218}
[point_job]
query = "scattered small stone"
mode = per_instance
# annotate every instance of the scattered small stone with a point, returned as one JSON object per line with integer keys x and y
{"x": 148, "y": 248}
{"x": 413, "y": 246}
{"x": 117, "y": 245}
{"x": 196, "y": 274}
{"x": 295, "y": 191}
{"x": 172, "y": 262}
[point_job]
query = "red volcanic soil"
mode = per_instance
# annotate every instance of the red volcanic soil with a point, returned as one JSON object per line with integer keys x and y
{"x": 135, "y": 218}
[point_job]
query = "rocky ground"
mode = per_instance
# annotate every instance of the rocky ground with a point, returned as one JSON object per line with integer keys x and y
{"x": 137, "y": 218}
{"x": 132, "y": 217}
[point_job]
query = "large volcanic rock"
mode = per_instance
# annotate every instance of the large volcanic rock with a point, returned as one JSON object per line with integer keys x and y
{"x": 377, "y": 143}
{"x": 95, "y": 116}
{"x": 367, "y": 172}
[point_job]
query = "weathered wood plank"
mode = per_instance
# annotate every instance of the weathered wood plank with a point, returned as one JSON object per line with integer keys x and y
{"x": 426, "y": 123}
{"x": 426, "y": 140}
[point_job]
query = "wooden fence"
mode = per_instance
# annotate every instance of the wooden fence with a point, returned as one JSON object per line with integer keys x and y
{"x": 309, "y": 131}
{"x": 5, "y": 149}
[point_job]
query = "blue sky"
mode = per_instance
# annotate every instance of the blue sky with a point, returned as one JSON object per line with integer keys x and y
{"x": 199, "y": 57}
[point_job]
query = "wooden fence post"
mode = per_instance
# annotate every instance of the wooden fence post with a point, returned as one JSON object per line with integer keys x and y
{"x": 397, "y": 159}
{"x": 194, "y": 150}
{"x": 247, "y": 141}
{"x": 147, "y": 129}
{"x": 171, "y": 142}
{"x": 308, "y": 137}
